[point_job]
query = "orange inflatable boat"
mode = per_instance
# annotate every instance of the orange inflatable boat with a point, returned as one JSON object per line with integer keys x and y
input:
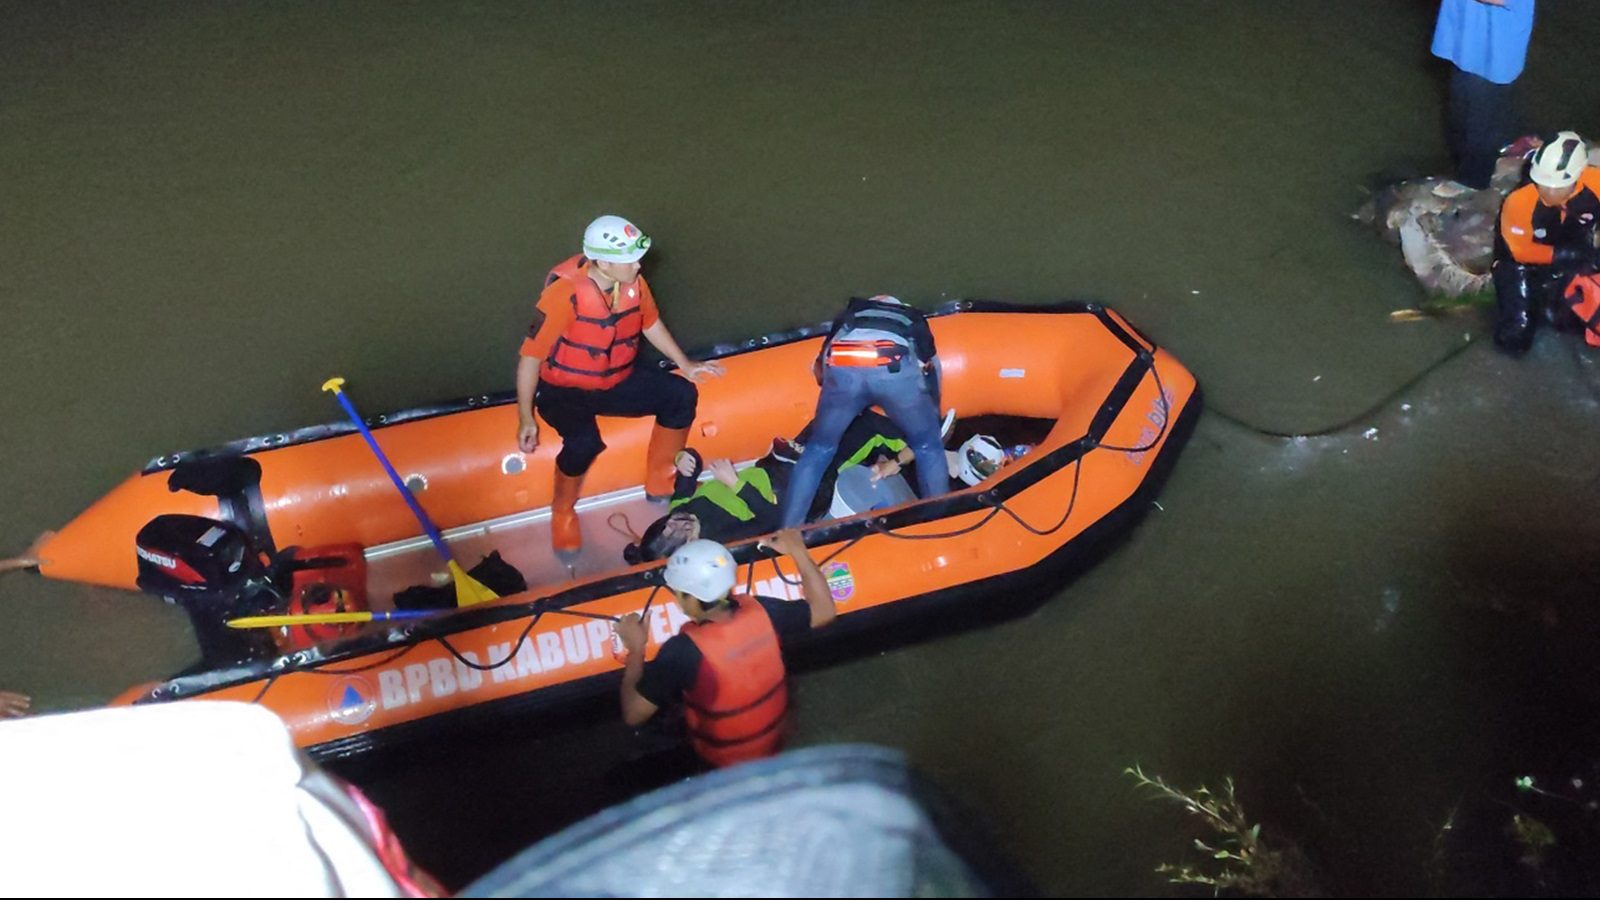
{"x": 1106, "y": 410}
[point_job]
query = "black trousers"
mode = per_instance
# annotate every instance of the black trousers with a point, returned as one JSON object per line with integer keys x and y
{"x": 647, "y": 391}
{"x": 1525, "y": 294}
{"x": 1481, "y": 120}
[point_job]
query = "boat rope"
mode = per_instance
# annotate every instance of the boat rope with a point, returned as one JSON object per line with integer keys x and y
{"x": 627, "y": 527}
{"x": 1354, "y": 420}
{"x": 510, "y": 653}
{"x": 362, "y": 668}
{"x": 541, "y": 610}
{"x": 998, "y": 507}
{"x": 265, "y": 686}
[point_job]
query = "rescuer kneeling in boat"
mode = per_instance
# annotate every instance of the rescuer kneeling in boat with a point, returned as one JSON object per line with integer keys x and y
{"x": 725, "y": 663}
{"x": 880, "y": 352}
{"x": 578, "y": 363}
{"x": 1546, "y": 238}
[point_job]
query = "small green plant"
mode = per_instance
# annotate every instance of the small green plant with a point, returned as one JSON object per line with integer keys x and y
{"x": 1435, "y": 304}
{"x": 1239, "y": 859}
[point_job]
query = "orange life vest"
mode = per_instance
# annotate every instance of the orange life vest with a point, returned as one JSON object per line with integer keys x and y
{"x": 597, "y": 350}
{"x": 1586, "y": 305}
{"x": 740, "y": 699}
{"x": 1531, "y": 230}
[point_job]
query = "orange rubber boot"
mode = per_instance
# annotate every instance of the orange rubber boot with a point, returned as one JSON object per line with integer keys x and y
{"x": 659, "y": 473}
{"x": 565, "y": 536}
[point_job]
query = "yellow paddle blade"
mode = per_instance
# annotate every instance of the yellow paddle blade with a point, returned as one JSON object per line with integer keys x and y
{"x": 307, "y": 619}
{"x": 469, "y": 590}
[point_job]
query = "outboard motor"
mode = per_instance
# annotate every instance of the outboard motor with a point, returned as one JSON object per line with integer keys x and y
{"x": 215, "y": 572}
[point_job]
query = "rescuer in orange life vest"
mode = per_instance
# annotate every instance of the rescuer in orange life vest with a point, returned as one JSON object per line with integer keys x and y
{"x": 578, "y": 363}
{"x": 1546, "y": 237}
{"x": 725, "y": 663}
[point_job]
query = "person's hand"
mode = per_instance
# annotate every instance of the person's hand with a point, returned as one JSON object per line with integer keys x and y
{"x": 695, "y": 371}
{"x": 19, "y": 562}
{"x": 723, "y": 471}
{"x": 31, "y": 559}
{"x": 14, "y": 706}
{"x": 528, "y": 436}
{"x": 683, "y": 461}
{"x": 788, "y": 542}
{"x": 1494, "y": 2}
{"x": 883, "y": 468}
{"x": 630, "y": 630}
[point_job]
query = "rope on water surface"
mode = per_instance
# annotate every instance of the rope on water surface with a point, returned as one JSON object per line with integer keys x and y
{"x": 1354, "y": 420}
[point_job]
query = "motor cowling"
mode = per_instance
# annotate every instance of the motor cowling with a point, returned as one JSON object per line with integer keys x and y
{"x": 215, "y": 572}
{"x": 183, "y": 556}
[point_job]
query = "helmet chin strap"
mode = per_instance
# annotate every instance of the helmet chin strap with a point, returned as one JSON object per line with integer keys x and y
{"x": 695, "y": 608}
{"x": 602, "y": 278}
{"x": 606, "y": 282}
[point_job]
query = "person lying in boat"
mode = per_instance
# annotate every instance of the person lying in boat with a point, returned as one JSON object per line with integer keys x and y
{"x": 729, "y": 506}
{"x": 726, "y": 665}
{"x": 734, "y": 506}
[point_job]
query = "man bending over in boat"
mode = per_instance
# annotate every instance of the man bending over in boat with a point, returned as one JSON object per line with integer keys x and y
{"x": 880, "y": 352}
{"x": 726, "y": 662}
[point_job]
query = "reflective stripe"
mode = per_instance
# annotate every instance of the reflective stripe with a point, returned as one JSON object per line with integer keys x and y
{"x": 601, "y": 372}
{"x": 865, "y": 353}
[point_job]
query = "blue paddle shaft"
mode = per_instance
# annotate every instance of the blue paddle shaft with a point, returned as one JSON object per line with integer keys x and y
{"x": 427, "y": 523}
{"x": 403, "y": 614}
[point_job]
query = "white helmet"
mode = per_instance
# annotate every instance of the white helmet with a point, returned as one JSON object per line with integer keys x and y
{"x": 614, "y": 239}
{"x": 702, "y": 569}
{"x": 1559, "y": 162}
{"x": 979, "y": 457}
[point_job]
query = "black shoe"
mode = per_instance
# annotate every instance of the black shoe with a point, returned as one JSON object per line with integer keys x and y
{"x": 1513, "y": 339}
{"x": 786, "y": 451}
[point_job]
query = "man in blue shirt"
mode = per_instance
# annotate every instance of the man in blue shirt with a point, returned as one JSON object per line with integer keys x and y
{"x": 1486, "y": 41}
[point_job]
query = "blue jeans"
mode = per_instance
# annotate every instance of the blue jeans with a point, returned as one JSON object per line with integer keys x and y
{"x": 846, "y": 391}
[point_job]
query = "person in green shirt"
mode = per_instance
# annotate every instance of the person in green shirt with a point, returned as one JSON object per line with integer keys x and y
{"x": 735, "y": 504}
